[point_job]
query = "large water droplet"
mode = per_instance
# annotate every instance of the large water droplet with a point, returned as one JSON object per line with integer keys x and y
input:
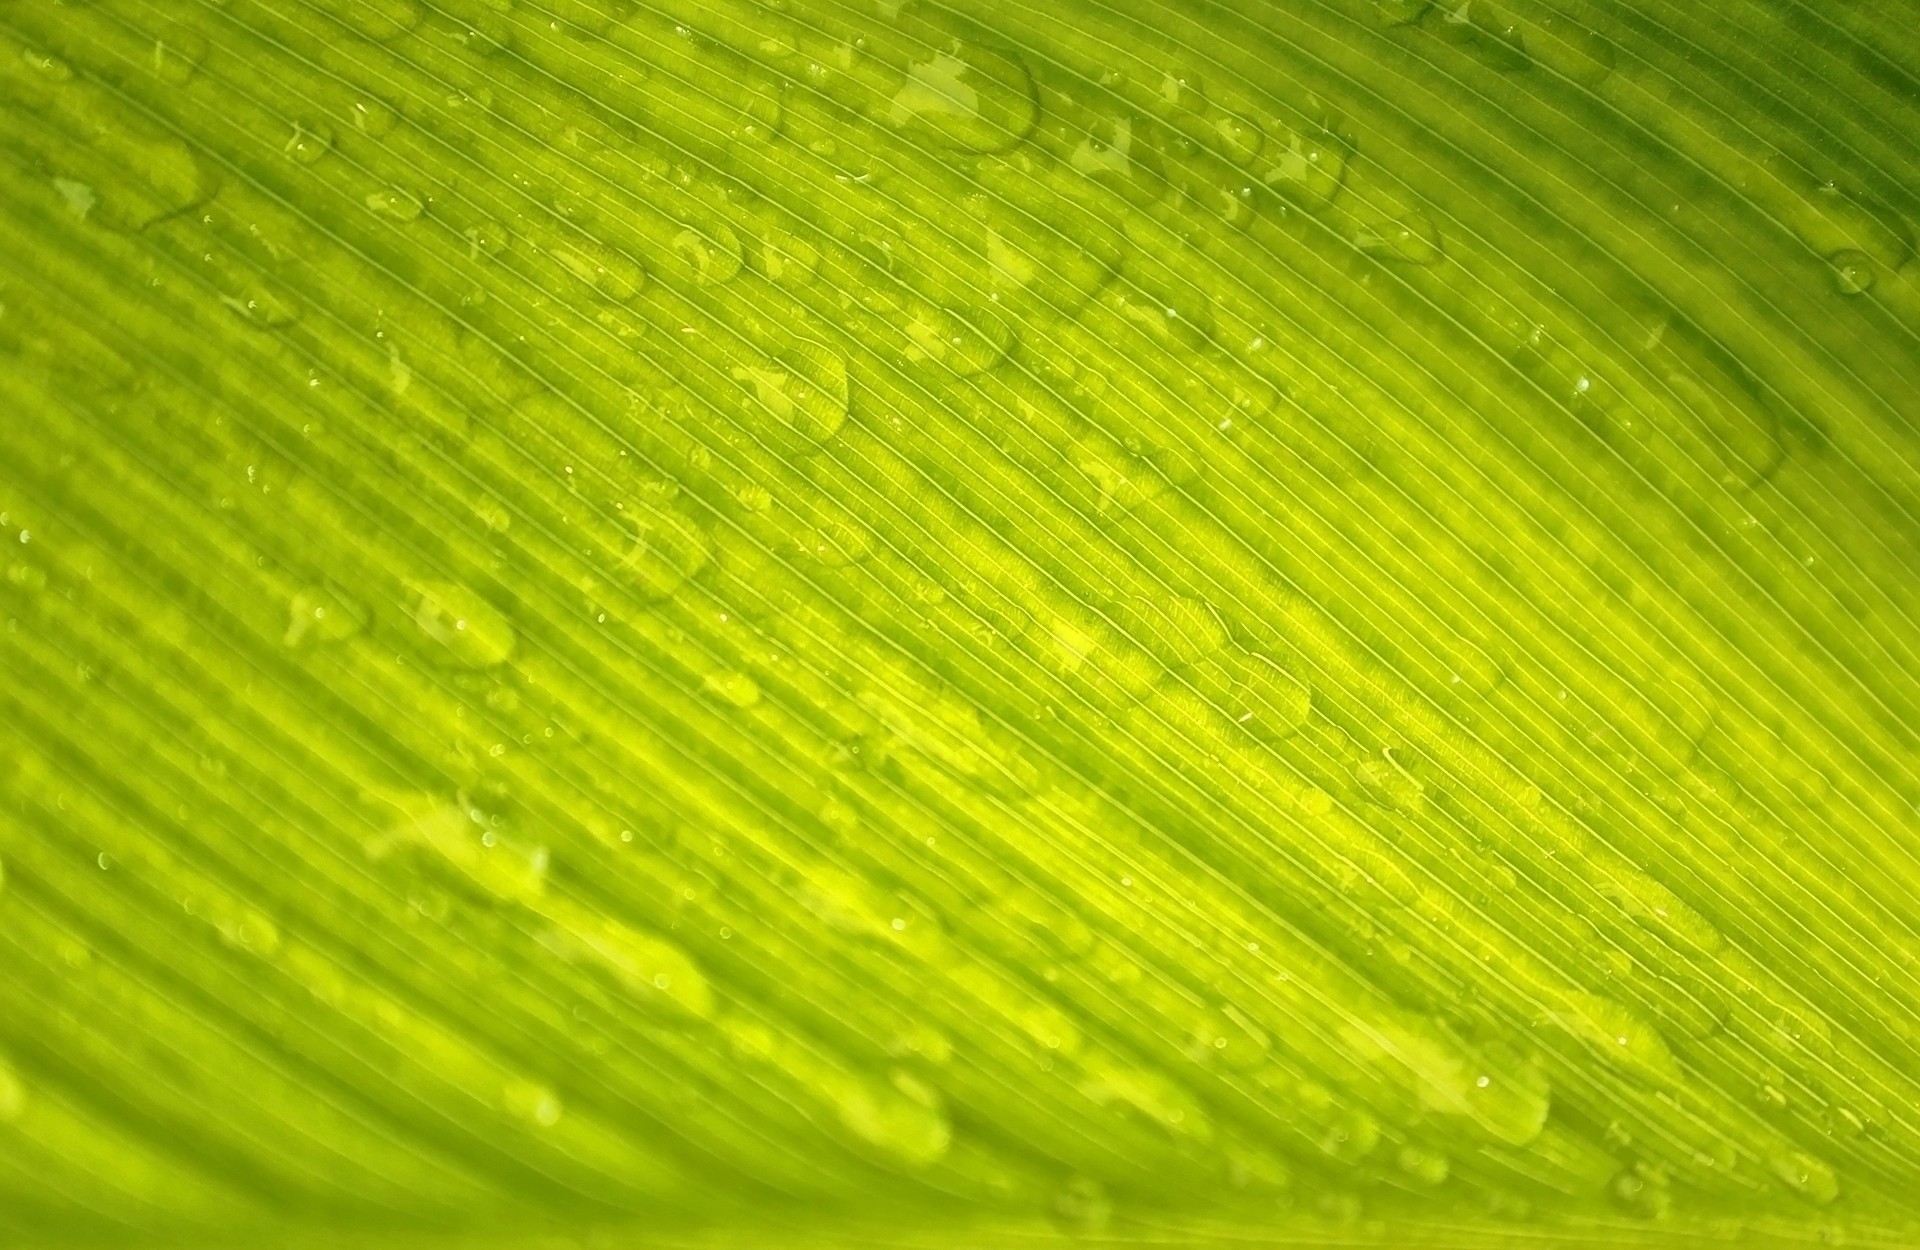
{"x": 1620, "y": 1036}
{"x": 712, "y": 253}
{"x": 803, "y": 386}
{"x": 903, "y": 1127}
{"x": 786, "y": 257}
{"x": 13, "y": 1095}
{"x": 1399, "y": 12}
{"x": 1308, "y": 169}
{"x": 611, "y": 273}
{"x": 967, "y": 343}
{"x": 656, "y": 972}
{"x": 533, "y": 1102}
{"x": 971, "y": 97}
{"x": 459, "y": 839}
{"x": 670, "y": 547}
{"x": 1082, "y": 1206}
{"x": 1254, "y": 693}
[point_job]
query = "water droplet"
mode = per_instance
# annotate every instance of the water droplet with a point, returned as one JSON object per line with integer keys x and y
{"x": 1310, "y": 169}
{"x": 376, "y": 19}
{"x": 78, "y": 196}
{"x": 260, "y": 304}
{"x": 1507, "y": 1096}
{"x": 1227, "y": 1037}
{"x": 970, "y": 97}
{"x": 1239, "y": 139}
{"x": 1387, "y": 781}
{"x": 1620, "y": 1036}
{"x": 1411, "y": 236}
{"x": 1181, "y": 91}
{"x": 469, "y": 631}
{"x": 1082, "y": 1205}
{"x": 1719, "y": 399}
{"x": 656, "y": 972}
{"x": 1148, "y": 1092}
{"x": 1655, "y": 907}
{"x": 612, "y": 274}
{"x": 803, "y": 384}
{"x": 373, "y": 118}
{"x": 1852, "y": 271}
{"x": 1177, "y": 628}
{"x": 1831, "y": 222}
{"x": 734, "y": 688}
{"x": 395, "y": 204}
{"x": 176, "y": 57}
{"x": 903, "y": 1127}
{"x": 923, "y": 1042}
{"x": 786, "y": 257}
{"x": 968, "y": 344}
{"x": 309, "y": 142}
{"x": 1350, "y": 1136}
{"x": 1255, "y": 693}
{"x": 485, "y": 238}
{"x": 1399, "y": 12}
{"x": 532, "y": 1102}
{"x": 670, "y": 548}
{"x": 318, "y": 615}
{"x": 46, "y": 65}
{"x": 457, "y": 837}
{"x": 1124, "y": 481}
{"x": 1642, "y": 1190}
{"x": 1486, "y": 30}
{"x": 1807, "y": 1176}
{"x": 1425, "y": 1165}
{"x": 713, "y": 253}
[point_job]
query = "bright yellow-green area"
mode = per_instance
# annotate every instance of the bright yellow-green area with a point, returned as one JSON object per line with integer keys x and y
{"x": 973, "y": 624}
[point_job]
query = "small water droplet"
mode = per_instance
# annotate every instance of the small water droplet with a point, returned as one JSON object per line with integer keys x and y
{"x": 1811, "y": 1178}
{"x": 176, "y": 57}
{"x": 395, "y": 204}
{"x": 741, "y": 691}
{"x": 1082, "y": 1205}
{"x": 469, "y": 631}
{"x": 319, "y": 615}
{"x": 1425, "y": 1165}
{"x": 1641, "y": 1190}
